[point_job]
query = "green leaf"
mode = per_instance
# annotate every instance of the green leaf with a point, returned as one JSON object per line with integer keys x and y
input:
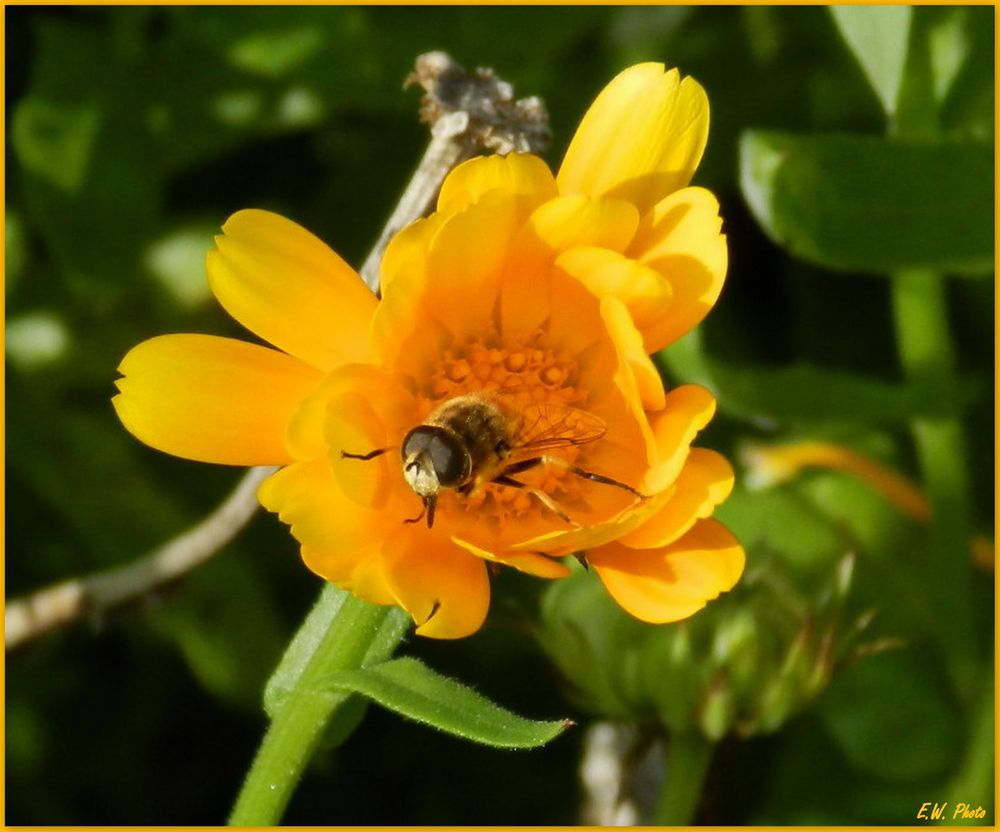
{"x": 907, "y": 730}
{"x": 878, "y": 36}
{"x": 803, "y": 392}
{"x": 15, "y": 250}
{"x": 355, "y": 631}
{"x": 968, "y": 109}
{"x": 948, "y": 45}
{"x": 55, "y": 141}
{"x": 581, "y": 630}
{"x": 277, "y": 52}
{"x": 862, "y": 203}
{"x": 90, "y": 173}
{"x": 413, "y": 690}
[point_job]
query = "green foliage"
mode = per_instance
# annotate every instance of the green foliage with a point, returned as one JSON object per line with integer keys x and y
{"x": 802, "y": 393}
{"x": 410, "y": 688}
{"x": 861, "y": 203}
{"x": 304, "y": 714}
{"x": 879, "y": 37}
{"x": 227, "y": 651}
{"x": 914, "y": 735}
{"x": 845, "y": 145}
{"x": 744, "y": 666}
{"x": 309, "y": 638}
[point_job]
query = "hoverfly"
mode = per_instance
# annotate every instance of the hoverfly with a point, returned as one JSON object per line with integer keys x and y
{"x": 478, "y": 438}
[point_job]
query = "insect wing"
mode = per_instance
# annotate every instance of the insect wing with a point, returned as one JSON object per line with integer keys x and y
{"x": 543, "y": 427}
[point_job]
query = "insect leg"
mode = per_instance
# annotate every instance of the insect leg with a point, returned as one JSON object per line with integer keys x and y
{"x": 523, "y": 465}
{"x": 367, "y": 456}
{"x": 539, "y": 495}
{"x": 558, "y": 462}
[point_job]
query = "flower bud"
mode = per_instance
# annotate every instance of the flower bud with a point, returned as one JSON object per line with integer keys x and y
{"x": 744, "y": 665}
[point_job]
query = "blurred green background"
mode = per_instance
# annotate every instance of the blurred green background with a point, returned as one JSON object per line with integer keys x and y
{"x": 134, "y": 132}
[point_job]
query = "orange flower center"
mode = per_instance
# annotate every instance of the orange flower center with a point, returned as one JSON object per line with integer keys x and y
{"x": 523, "y": 367}
{"x": 524, "y": 371}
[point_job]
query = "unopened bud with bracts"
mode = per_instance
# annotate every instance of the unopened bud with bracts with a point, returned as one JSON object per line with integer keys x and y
{"x": 744, "y": 665}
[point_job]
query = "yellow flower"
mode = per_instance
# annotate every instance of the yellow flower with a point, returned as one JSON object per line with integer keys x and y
{"x": 527, "y": 302}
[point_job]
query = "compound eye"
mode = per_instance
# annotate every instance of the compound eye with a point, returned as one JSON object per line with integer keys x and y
{"x": 449, "y": 460}
{"x": 435, "y": 450}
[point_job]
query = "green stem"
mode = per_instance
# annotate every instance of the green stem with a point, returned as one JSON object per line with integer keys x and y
{"x": 973, "y": 783}
{"x": 353, "y": 633}
{"x": 925, "y": 347}
{"x": 687, "y": 759}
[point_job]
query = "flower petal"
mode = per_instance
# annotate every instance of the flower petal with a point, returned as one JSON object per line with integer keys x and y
{"x": 530, "y": 563}
{"x": 687, "y": 410}
{"x": 643, "y": 290}
{"x": 358, "y": 409}
{"x": 362, "y": 576}
{"x": 571, "y": 221}
{"x": 288, "y": 287}
{"x": 520, "y": 174}
{"x": 448, "y": 292}
{"x": 682, "y": 239}
{"x": 617, "y": 520}
{"x": 354, "y": 427}
{"x": 633, "y": 355}
{"x": 395, "y": 407}
{"x": 306, "y": 496}
{"x": 558, "y": 225}
{"x": 406, "y": 254}
{"x": 561, "y": 542}
{"x": 705, "y": 481}
{"x": 641, "y": 139}
{"x": 465, "y": 263}
{"x": 579, "y": 327}
{"x": 575, "y": 328}
{"x": 406, "y": 337}
{"x": 212, "y": 399}
{"x": 673, "y": 582}
{"x": 443, "y": 587}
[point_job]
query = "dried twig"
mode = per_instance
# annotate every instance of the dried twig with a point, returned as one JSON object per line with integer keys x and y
{"x": 467, "y": 112}
{"x": 621, "y": 771}
{"x": 62, "y": 603}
